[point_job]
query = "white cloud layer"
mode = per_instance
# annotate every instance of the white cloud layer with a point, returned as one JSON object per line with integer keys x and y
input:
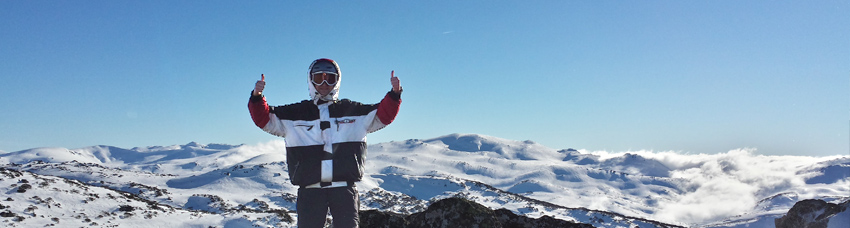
{"x": 728, "y": 184}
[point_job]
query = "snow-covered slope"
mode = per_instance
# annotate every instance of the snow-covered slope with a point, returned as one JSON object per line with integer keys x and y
{"x": 33, "y": 200}
{"x": 625, "y": 189}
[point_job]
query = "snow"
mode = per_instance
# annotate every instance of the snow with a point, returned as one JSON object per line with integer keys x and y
{"x": 50, "y": 154}
{"x": 204, "y": 183}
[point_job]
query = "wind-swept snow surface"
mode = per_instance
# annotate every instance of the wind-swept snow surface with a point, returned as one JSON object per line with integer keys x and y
{"x": 605, "y": 189}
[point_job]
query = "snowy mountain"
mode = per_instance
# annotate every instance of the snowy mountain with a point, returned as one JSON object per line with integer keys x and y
{"x": 247, "y": 185}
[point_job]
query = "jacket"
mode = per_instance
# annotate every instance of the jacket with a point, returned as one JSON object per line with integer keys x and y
{"x": 325, "y": 140}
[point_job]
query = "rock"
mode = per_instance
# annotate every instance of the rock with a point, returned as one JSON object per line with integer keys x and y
{"x": 511, "y": 220}
{"x": 381, "y": 219}
{"x": 7, "y": 214}
{"x": 126, "y": 208}
{"x": 24, "y": 187}
{"x": 459, "y": 212}
{"x": 811, "y": 213}
{"x": 455, "y": 212}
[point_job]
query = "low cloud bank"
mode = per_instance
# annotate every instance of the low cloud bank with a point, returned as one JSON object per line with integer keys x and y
{"x": 727, "y": 184}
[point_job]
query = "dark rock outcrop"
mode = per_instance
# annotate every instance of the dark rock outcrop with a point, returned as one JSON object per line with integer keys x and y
{"x": 459, "y": 212}
{"x": 811, "y": 213}
{"x": 511, "y": 220}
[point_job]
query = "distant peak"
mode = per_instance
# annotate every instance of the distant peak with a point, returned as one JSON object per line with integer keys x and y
{"x": 473, "y": 138}
{"x": 194, "y": 144}
{"x": 469, "y": 142}
{"x": 568, "y": 150}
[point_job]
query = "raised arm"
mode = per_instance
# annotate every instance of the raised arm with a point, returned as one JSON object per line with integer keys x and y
{"x": 257, "y": 105}
{"x": 388, "y": 108}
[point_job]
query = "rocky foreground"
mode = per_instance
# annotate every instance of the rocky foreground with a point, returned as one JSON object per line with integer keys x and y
{"x": 459, "y": 212}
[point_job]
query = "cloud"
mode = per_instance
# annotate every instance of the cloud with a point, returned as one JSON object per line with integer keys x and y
{"x": 718, "y": 186}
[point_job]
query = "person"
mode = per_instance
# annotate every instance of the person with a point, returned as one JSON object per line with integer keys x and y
{"x": 325, "y": 142}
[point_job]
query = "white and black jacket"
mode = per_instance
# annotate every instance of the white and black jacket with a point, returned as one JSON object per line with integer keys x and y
{"x": 325, "y": 140}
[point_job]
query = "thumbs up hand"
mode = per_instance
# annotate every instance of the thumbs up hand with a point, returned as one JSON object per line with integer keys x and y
{"x": 395, "y": 82}
{"x": 260, "y": 85}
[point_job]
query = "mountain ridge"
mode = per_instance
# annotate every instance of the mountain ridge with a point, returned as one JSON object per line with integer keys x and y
{"x": 528, "y": 178}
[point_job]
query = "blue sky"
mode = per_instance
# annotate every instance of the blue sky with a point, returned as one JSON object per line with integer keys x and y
{"x": 687, "y": 76}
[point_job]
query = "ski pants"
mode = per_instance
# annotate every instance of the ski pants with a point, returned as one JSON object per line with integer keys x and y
{"x": 313, "y": 203}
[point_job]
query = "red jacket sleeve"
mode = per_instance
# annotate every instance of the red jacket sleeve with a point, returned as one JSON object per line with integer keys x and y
{"x": 259, "y": 110}
{"x": 388, "y": 108}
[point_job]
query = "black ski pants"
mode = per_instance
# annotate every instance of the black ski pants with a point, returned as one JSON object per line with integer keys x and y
{"x": 313, "y": 203}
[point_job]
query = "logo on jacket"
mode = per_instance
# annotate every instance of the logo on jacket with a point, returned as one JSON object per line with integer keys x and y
{"x": 344, "y": 121}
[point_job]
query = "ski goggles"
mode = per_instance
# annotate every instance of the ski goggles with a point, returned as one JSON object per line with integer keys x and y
{"x": 319, "y": 77}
